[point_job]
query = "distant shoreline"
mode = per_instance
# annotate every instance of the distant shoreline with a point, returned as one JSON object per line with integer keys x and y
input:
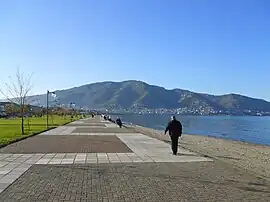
{"x": 238, "y": 128}
{"x": 210, "y": 136}
{"x": 170, "y": 114}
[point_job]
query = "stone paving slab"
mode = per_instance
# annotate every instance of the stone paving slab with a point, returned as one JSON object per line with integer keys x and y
{"x": 91, "y": 126}
{"x": 67, "y": 144}
{"x": 95, "y": 120}
{"x": 101, "y": 125}
{"x": 136, "y": 182}
{"x": 111, "y": 126}
{"x": 58, "y": 158}
{"x": 101, "y": 130}
{"x": 62, "y": 130}
{"x": 102, "y": 134}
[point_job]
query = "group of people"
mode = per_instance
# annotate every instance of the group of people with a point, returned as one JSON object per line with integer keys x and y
{"x": 107, "y": 117}
{"x": 117, "y": 121}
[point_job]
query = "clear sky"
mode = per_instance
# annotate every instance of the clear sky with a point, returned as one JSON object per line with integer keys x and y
{"x": 210, "y": 46}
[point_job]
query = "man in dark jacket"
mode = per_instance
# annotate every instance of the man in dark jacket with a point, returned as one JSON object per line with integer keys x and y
{"x": 175, "y": 131}
{"x": 119, "y": 122}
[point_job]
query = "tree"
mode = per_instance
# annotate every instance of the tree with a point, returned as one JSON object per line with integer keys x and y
{"x": 16, "y": 92}
{"x": 12, "y": 109}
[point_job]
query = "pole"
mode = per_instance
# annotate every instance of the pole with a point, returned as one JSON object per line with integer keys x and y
{"x": 47, "y": 110}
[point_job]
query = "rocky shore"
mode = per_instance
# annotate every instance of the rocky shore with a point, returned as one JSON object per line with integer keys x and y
{"x": 253, "y": 158}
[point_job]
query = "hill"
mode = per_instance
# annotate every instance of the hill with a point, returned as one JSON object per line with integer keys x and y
{"x": 138, "y": 95}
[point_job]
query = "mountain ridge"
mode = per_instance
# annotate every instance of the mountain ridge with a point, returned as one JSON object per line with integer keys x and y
{"x": 135, "y": 95}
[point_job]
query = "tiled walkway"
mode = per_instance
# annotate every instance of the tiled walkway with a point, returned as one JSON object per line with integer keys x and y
{"x": 89, "y": 143}
{"x": 15, "y": 159}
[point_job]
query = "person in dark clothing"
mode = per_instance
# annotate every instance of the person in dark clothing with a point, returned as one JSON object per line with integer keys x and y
{"x": 175, "y": 131}
{"x": 119, "y": 122}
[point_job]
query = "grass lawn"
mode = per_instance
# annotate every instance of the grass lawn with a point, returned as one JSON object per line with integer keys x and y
{"x": 10, "y": 129}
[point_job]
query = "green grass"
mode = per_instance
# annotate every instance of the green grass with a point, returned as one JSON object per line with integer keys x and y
{"x": 10, "y": 129}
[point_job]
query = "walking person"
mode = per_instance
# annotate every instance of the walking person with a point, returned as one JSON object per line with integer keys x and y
{"x": 175, "y": 131}
{"x": 119, "y": 122}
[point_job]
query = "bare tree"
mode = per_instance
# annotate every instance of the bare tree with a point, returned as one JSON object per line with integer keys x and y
{"x": 17, "y": 91}
{"x": 11, "y": 109}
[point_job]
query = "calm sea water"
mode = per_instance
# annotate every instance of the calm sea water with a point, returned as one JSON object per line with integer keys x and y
{"x": 244, "y": 128}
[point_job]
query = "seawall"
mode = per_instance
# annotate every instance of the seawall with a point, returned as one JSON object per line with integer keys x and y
{"x": 252, "y": 158}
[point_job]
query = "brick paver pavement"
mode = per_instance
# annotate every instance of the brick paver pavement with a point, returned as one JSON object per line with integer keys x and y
{"x": 68, "y": 144}
{"x": 202, "y": 181}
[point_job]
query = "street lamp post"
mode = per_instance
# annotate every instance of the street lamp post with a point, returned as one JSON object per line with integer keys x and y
{"x": 47, "y": 111}
{"x": 47, "y": 118}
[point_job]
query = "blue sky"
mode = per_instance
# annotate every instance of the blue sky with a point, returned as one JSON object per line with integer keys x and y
{"x": 210, "y": 46}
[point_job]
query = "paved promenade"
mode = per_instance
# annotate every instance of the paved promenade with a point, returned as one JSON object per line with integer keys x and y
{"x": 94, "y": 160}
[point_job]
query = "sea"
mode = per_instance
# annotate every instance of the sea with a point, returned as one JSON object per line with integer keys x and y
{"x": 251, "y": 129}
